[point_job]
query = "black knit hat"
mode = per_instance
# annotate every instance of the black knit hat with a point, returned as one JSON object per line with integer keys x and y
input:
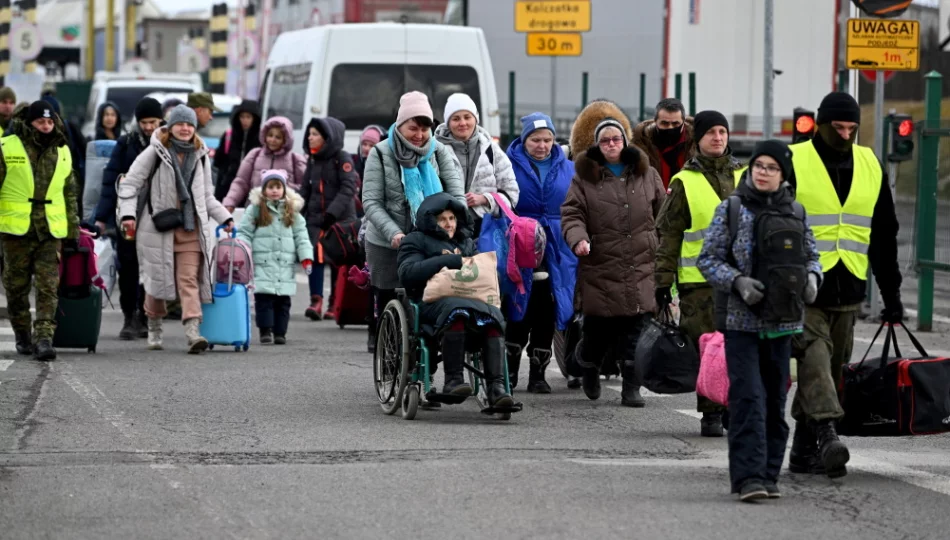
{"x": 40, "y": 109}
{"x": 148, "y": 108}
{"x": 777, "y": 150}
{"x": 706, "y": 120}
{"x": 838, "y": 106}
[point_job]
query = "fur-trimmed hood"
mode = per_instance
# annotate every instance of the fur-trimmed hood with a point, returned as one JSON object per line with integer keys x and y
{"x": 284, "y": 125}
{"x": 254, "y": 197}
{"x": 589, "y": 165}
{"x": 582, "y": 133}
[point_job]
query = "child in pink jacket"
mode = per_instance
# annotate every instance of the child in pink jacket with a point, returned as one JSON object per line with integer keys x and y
{"x": 277, "y": 140}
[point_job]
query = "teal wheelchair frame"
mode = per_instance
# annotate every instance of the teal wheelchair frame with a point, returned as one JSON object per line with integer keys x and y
{"x": 401, "y": 366}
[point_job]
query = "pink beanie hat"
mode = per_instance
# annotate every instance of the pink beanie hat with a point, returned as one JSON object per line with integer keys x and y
{"x": 412, "y": 105}
{"x": 371, "y": 134}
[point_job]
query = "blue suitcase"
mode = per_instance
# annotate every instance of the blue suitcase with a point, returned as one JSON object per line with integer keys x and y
{"x": 227, "y": 321}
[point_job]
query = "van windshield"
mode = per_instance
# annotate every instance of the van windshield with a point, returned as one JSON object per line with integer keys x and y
{"x": 364, "y": 94}
{"x": 127, "y": 97}
{"x": 288, "y": 93}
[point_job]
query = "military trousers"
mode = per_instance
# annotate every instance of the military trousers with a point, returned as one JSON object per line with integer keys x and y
{"x": 698, "y": 317}
{"x": 30, "y": 260}
{"x": 822, "y": 351}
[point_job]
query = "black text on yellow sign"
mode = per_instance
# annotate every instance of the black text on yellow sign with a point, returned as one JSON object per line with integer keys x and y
{"x": 552, "y": 16}
{"x": 549, "y": 44}
{"x": 881, "y": 44}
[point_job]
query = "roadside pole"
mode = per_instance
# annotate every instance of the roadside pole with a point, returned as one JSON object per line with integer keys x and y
{"x": 554, "y": 88}
{"x": 768, "y": 116}
{"x": 880, "y": 151}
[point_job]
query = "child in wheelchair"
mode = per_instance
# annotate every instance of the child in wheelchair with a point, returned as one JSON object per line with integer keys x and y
{"x": 440, "y": 240}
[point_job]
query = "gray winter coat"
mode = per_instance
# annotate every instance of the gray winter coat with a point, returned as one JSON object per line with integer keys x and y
{"x": 491, "y": 176}
{"x": 156, "y": 249}
{"x": 384, "y": 198}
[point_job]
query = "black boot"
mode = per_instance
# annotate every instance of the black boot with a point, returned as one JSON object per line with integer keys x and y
{"x": 834, "y": 454}
{"x": 711, "y": 425}
{"x": 44, "y": 350}
{"x": 128, "y": 331}
{"x": 140, "y": 322}
{"x": 453, "y": 355}
{"x": 514, "y": 362}
{"x": 630, "y": 394}
{"x": 539, "y": 365}
{"x": 494, "y": 366}
{"x": 590, "y": 382}
{"x": 24, "y": 342}
{"x": 803, "y": 458}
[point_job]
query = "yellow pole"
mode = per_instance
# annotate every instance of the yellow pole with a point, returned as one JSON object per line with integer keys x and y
{"x": 110, "y": 35}
{"x": 29, "y": 15}
{"x": 90, "y": 39}
{"x": 130, "y": 34}
{"x": 5, "y": 18}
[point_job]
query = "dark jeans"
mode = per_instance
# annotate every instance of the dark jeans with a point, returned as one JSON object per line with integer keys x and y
{"x": 614, "y": 338}
{"x": 273, "y": 312}
{"x": 316, "y": 282}
{"x": 536, "y": 330}
{"x": 131, "y": 294}
{"x": 758, "y": 384}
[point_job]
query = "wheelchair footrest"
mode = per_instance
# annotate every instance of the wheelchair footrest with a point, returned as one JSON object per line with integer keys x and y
{"x": 448, "y": 399}
{"x": 496, "y": 410}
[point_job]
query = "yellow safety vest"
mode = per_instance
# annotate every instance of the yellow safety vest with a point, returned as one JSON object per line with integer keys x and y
{"x": 843, "y": 233}
{"x": 16, "y": 195}
{"x": 703, "y": 201}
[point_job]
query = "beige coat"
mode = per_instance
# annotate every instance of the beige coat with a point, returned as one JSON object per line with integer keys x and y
{"x": 156, "y": 249}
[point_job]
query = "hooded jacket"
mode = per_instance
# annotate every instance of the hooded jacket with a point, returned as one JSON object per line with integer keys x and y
{"x": 262, "y": 159}
{"x": 275, "y": 248}
{"x": 44, "y": 156}
{"x": 329, "y": 183}
{"x": 428, "y": 249}
{"x": 126, "y": 150}
{"x": 235, "y": 145}
{"x": 617, "y": 217}
{"x": 100, "y": 130}
{"x": 674, "y": 158}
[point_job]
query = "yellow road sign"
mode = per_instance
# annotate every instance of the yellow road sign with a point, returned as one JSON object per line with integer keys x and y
{"x": 552, "y": 16}
{"x": 551, "y": 44}
{"x": 882, "y": 44}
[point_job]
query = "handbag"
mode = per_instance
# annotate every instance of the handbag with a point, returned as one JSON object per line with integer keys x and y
{"x": 170, "y": 218}
{"x": 476, "y": 280}
{"x": 666, "y": 362}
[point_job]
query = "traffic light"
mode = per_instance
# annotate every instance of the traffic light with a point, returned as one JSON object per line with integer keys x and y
{"x": 902, "y": 138}
{"x": 804, "y": 125}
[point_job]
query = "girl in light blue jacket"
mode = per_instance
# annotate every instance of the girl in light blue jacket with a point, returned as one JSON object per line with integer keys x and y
{"x": 277, "y": 234}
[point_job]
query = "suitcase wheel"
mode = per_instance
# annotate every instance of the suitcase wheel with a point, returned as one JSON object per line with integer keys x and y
{"x": 211, "y": 347}
{"x": 237, "y": 348}
{"x": 92, "y": 350}
{"x": 245, "y": 347}
{"x": 341, "y": 326}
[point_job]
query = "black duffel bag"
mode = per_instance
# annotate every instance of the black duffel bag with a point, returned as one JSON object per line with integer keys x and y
{"x": 666, "y": 361}
{"x": 341, "y": 245}
{"x": 894, "y": 396}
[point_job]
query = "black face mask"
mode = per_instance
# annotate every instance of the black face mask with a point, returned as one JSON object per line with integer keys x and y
{"x": 831, "y": 137}
{"x": 665, "y": 138}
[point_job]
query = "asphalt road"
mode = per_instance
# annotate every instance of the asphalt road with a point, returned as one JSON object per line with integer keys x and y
{"x": 288, "y": 442}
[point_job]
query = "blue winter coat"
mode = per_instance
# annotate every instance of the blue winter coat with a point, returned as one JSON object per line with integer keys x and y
{"x": 541, "y": 199}
{"x": 276, "y": 248}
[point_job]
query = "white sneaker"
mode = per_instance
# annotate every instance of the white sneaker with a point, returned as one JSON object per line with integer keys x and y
{"x": 540, "y": 276}
{"x": 154, "y": 334}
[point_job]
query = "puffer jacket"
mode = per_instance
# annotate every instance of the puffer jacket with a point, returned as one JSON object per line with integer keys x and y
{"x": 491, "y": 176}
{"x": 156, "y": 250}
{"x": 384, "y": 198}
{"x": 329, "y": 185}
{"x": 617, "y": 216}
{"x": 262, "y": 159}
{"x": 276, "y": 248}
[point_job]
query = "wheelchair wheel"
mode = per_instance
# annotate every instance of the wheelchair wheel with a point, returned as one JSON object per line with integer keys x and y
{"x": 481, "y": 395}
{"x": 391, "y": 360}
{"x": 410, "y": 403}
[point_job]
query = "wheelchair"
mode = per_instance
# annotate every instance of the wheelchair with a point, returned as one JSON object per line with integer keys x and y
{"x": 401, "y": 366}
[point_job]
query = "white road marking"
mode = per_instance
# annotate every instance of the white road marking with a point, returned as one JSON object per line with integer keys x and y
{"x": 687, "y": 412}
{"x": 6, "y": 331}
{"x": 7, "y": 346}
{"x": 936, "y": 318}
{"x": 4, "y": 364}
{"x": 643, "y": 391}
{"x": 906, "y": 342}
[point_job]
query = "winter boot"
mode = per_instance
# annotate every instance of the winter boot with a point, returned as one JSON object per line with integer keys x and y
{"x": 711, "y": 425}
{"x": 44, "y": 350}
{"x": 539, "y": 364}
{"x": 128, "y": 331}
{"x": 280, "y": 340}
{"x": 24, "y": 342}
{"x": 514, "y": 362}
{"x": 630, "y": 394}
{"x": 155, "y": 334}
{"x": 834, "y": 454}
{"x": 803, "y": 458}
{"x": 453, "y": 355}
{"x": 494, "y": 367}
{"x": 590, "y": 381}
{"x": 316, "y": 308}
{"x": 140, "y": 325}
{"x": 196, "y": 343}
{"x": 266, "y": 336}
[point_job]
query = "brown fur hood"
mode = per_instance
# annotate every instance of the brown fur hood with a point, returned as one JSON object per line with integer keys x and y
{"x": 589, "y": 165}
{"x": 582, "y": 133}
{"x": 643, "y": 137}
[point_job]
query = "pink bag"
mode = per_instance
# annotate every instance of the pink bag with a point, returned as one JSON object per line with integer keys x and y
{"x": 232, "y": 260}
{"x": 227, "y": 141}
{"x": 526, "y": 243}
{"x": 713, "y": 380}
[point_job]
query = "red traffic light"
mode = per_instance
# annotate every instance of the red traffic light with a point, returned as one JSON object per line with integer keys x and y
{"x": 905, "y": 128}
{"x": 805, "y": 124}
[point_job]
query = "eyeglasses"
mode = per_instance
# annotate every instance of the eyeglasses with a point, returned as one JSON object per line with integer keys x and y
{"x": 610, "y": 141}
{"x": 768, "y": 170}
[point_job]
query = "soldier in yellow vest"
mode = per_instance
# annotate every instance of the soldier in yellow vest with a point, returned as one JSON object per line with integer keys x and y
{"x": 37, "y": 211}
{"x": 692, "y": 198}
{"x": 846, "y": 194}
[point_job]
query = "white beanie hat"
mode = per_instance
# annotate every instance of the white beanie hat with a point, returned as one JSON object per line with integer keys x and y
{"x": 460, "y": 102}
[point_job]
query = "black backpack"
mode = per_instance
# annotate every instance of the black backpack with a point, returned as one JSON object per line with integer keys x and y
{"x": 781, "y": 260}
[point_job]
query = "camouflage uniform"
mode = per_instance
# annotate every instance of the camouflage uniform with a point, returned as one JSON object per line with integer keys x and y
{"x": 696, "y": 299}
{"x": 34, "y": 257}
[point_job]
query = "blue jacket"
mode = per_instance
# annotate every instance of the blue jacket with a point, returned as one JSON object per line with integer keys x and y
{"x": 541, "y": 199}
{"x": 127, "y": 148}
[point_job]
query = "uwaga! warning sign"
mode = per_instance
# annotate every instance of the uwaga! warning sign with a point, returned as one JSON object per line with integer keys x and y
{"x": 878, "y": 44}
{"x": 552, "y": 16}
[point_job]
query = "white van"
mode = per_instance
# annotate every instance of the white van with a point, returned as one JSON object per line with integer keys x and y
{"x": 357, "y": 72}
{"x": 126, "y": 89}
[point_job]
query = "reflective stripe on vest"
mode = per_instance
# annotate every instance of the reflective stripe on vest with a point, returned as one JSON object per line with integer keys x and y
{"x": 843, "y": 233}
{"x": 703, "y": 201}
{"x": 16, "y": 195}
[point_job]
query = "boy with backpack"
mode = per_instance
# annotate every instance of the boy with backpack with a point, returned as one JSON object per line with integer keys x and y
{"x": 761, "y": 257}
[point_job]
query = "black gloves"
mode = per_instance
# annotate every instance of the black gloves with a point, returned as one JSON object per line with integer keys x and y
{"x": 893, "y": 311}
{"x": 664, "y": 297}
{"x": 328, "y": 221}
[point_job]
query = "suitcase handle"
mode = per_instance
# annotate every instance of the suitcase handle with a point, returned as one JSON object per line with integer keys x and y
{"x": 891, "y": 336}
{"x": 217, "y": 233}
